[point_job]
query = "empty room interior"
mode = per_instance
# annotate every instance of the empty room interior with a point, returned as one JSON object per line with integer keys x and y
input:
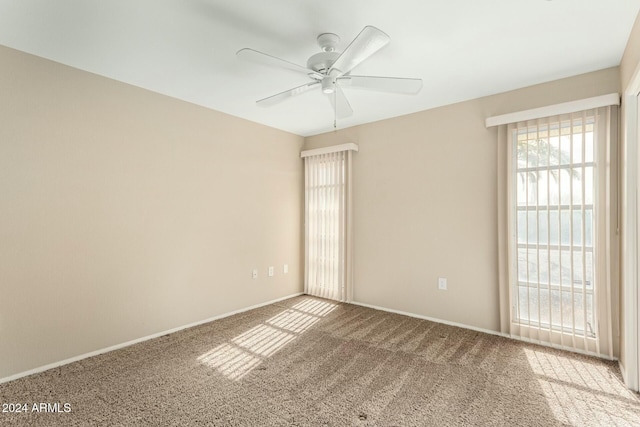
{"x": 281, "y": 213}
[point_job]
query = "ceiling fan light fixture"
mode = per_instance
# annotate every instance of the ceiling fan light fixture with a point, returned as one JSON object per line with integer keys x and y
{"x": 328, "y": 85}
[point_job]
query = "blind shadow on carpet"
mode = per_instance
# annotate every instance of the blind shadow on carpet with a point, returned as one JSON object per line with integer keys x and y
{"x": 307, "y": 361}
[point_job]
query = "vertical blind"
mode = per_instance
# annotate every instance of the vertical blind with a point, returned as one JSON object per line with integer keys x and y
{"x": 558, "y": 171}
{"x": 326, "y": 225}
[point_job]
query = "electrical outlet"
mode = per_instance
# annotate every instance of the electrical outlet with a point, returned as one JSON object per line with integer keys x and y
{"x": 442, "y": 283}
{"x": 285, "y": 269}
{"x": 271, "y": 271}
{"x": 255, "y": 274}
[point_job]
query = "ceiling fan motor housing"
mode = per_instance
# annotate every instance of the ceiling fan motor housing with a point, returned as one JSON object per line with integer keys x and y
{"x": 322, "y": 62}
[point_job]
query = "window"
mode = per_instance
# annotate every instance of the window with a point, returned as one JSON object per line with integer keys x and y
{"x": 555, "y": 225}
{"x": 325, "y": 193}
{"x": 328, "y": 222}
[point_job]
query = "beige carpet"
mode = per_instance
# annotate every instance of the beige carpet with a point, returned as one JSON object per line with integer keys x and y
{"x": 307, "y": 361}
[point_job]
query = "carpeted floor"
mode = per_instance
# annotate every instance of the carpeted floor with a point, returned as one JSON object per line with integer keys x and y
{"x": 312, "y": 362}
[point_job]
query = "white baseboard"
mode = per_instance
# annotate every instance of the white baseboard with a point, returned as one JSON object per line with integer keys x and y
{"x": 486, "y": 331}
{"x": 433, "y": 319}
{"x": 138, "y": 340}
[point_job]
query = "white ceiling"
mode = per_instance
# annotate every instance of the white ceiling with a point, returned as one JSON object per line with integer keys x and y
{"x": 462, "y": 49}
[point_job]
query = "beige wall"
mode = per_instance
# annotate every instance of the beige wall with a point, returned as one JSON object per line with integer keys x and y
{"x": 425, "y": 202}
{"x": 125, "y": 213}
{"x": 631, "y": 58}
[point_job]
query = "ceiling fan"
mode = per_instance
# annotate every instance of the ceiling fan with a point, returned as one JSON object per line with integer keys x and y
{"x": 330, "y": 70}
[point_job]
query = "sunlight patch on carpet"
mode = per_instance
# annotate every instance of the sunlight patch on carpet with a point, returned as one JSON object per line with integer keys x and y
{"x": 581, "y": 391}
{"x": 240, "y": 355}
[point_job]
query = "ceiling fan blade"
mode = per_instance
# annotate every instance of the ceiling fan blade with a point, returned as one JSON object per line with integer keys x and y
{"x": 382, "y": 84}
{"x": 340, "y": 103}
{"x": 272, "y": 61}
{"x": 369, "y": 41}
{"x": 275, "y": 99}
